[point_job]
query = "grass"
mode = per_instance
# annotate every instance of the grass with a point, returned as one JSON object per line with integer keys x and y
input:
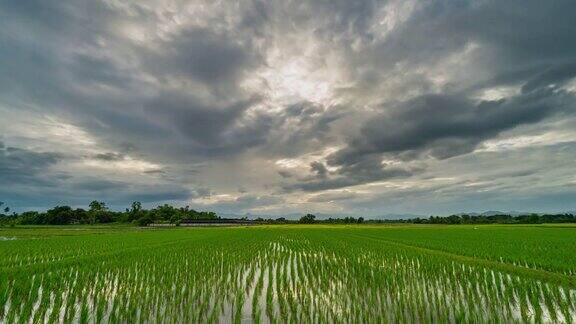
{"x": 289, "y": 273}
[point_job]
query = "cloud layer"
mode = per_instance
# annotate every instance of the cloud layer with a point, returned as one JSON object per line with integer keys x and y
{"x": 274, "y": 107}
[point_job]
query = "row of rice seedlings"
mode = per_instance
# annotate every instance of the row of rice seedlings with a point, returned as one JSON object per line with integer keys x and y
{"x": 545, "y": 248}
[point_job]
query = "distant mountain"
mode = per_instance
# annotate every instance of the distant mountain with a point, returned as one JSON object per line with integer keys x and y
{"x": 495, "y": 212}
{"x": 397, "y": 216}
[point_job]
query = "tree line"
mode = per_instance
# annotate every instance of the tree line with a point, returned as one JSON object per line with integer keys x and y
{"x": 452, "y": 219}
{"x": 99, "y": 213}
{"x": 311, "y": 219}
{"x": 483, "y": 219}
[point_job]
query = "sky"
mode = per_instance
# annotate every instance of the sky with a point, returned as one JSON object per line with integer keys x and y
{"x": 343, "y": 107}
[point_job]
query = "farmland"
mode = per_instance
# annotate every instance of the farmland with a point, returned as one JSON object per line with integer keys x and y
{"x": 289, "y": 273}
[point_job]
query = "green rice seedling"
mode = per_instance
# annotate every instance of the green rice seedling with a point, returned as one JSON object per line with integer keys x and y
{"x": 288, "y": 274}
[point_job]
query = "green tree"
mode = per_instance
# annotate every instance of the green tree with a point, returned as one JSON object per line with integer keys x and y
{"x": 145, "y": 219}
{"x": 30, "y": 217}
{"x": 98, "y": 213}
{"x": 307, "y": 219}
{"x": 136, "y": 207}
{"x": 134, "y": 213}
{"x": 163, "y": 213}
{"x": 59, "y": 215}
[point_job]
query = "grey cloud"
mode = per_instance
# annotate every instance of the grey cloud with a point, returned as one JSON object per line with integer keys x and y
{"x": 365, "y": 170}
{"x": 201, "y": 193}
{"x": 319, "y": 169}
{"x": 155, "y": 194}
{"x": 343, "y": 182}
{"x": 97, "y": 70}
{"x": 285, "y": 174}
{"x": 208, "y": 128}
{"x": 118, "y": 193}
{"x": 445, "y": 126}
{"x": 555, "y": 76}
{"x": 516, "y": 31}
{"x": 203, "y": 55}
{"x": 245, "y": 203}
{"x": 242, "y": 190}
{"x": 301, "y": 127}
{"x": 516, "y": 174}
{"x": 155, "y": 171}
{"x": 333, "y": 196}
{"x": 18, "y": 166}
{"x": 512, "y": 42}
{"x": 27, "y": 179}
{"x": 255, "y": 17}
{"x": 43, "y": 42}
{"x": 99, "y": 185}
{"x": 109, "y": 156}
{"x": 114, "y": 193}
{"x": 254, "y": 201}
{"x": 54, "y": 75}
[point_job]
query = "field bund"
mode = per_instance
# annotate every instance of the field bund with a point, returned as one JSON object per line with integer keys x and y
{"x": 290, "y": 273}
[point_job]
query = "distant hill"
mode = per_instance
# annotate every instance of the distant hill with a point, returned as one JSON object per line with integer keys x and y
{"x": 497, "y": 212}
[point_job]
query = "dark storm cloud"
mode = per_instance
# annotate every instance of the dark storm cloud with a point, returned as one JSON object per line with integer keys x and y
{"x": 94, "y": 70}
{"x": 203, "y": 55}
{"x": 556, "y": 76}
{"x": 99, "y": 185}
{"x": 364, "y": 170}
{"x": 42, "y": 43}
{"x": 519, "y": 33}
{"x": 65, "y": 72}
{"x": 27, "y": 179}
{"x": 208, "y": 128}
{"x": 118, "y": 197}
{"x": 117, "y": 192}
{"x": 19, "y": 166}
{"x": 302, "y": 126}
{"x": 349, "y": 180}
{"x": 522, "y": 50}
{"x": 319, "y": 169}
{"x": 445, "y": 126}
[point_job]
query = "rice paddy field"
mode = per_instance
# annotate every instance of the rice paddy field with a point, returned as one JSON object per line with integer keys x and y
{"x": 290, "y": 273}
